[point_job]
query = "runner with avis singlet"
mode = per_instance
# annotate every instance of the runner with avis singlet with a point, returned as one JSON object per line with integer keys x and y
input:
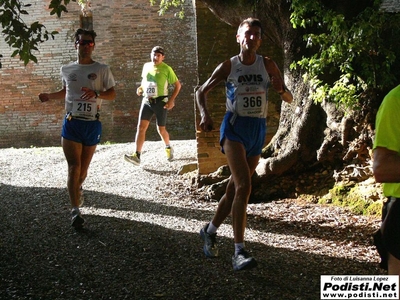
{"x": 246, "y": 105}
{"x": 247, "y": 77}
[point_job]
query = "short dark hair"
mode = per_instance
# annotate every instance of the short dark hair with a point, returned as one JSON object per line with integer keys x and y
{"x": 251, "y": 22}
{"x": 81, "y": 31}
{"x": 158, "y": 49}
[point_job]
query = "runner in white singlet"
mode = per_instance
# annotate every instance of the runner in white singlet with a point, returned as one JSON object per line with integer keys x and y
{"x": 247, "y": 77}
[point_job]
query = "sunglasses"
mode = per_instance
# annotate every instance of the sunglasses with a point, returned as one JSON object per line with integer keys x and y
{"x": 85, "y": 42}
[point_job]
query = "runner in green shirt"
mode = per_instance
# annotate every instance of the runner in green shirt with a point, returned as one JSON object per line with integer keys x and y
{"x": 386, "y": 167}
{"x": 156, "y": 77}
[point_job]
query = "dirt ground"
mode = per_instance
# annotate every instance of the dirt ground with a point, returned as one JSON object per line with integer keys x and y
{"x": 141, "y": 236}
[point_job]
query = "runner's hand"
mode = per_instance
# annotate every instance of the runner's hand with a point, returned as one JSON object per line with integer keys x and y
{"x": 87, "y": 93}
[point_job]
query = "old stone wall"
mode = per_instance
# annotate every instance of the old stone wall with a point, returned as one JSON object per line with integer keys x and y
{"x": 126, "y": 32}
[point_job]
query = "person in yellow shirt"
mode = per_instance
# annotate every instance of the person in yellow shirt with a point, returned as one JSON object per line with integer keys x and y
{"x": 156, "y": 77}
{"x": 386, "y": 168}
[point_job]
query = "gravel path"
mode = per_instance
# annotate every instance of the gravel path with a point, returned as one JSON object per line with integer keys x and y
{"x": 141, "y": 240}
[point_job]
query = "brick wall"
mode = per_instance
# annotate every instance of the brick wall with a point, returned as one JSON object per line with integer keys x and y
{"x": 126, "y": 32}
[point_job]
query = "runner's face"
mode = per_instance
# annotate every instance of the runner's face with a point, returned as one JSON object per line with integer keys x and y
{"x": 84, "y": 47}
{"x": 249, "y": 38}
{"x": 156, "y": 58}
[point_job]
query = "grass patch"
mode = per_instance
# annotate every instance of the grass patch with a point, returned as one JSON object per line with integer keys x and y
{"x": 356, "y": 198}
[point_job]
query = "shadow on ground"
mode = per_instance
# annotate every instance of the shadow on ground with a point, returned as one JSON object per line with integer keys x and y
{"x": 42, "y": 257}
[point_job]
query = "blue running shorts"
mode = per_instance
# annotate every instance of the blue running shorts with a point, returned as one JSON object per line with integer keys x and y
{"x": 87, "y": 133}
{"x": 247, "y": 130}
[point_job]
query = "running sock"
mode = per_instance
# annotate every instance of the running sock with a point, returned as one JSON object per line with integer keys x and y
{"x": 138, "y": 154}
{"x": 211, "y": 228}
{"x": 167, "y": 147}
{"x": 238, "y": 247}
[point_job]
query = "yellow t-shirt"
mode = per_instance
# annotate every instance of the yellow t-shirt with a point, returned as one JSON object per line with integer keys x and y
{"x": 155, "y": 79}
{"x": 387, "y": 133}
